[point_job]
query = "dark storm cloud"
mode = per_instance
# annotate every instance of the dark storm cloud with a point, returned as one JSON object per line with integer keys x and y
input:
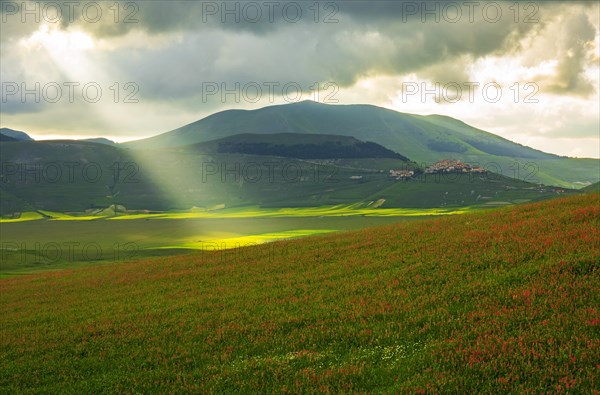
{"x": 159, "y": 16}
{"x": 363, "y": 39}
{"x": 306, "y": 42}
{"x": 307, "y": 52}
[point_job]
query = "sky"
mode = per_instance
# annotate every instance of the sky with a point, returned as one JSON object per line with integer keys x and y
{"x": 527, "y": 71}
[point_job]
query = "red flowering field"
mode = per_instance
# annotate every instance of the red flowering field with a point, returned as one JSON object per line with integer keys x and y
{"x": 506, "y": 301}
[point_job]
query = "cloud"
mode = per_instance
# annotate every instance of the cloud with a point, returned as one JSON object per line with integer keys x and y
{"x": 574, "y": 52}
{"x": 455, "y": 70}
{"x": 325, "y": 41}
{"x": 342, "y": 53}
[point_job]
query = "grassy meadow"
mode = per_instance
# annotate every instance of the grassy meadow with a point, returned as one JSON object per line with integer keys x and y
{"x": 41, "y": 241}
{"x": 505, "y": 301}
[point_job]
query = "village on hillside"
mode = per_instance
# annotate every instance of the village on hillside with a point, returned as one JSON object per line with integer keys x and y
{"x": 442, "y": 166}
{"x": 452, "y": 166}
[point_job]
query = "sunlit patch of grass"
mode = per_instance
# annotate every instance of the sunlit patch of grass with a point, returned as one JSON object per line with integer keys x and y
{"x": 357, "y": 209}
{"x": 26, "y": 216}
{"x": 139, "y": 216}
{"x": 56, "y": 216}
{"x": 322, "y": 211}
{"x": 246, "y": 241}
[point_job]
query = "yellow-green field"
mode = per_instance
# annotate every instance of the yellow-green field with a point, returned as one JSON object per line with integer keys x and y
{"x": 60, "y": 241}
{"x": 46, "y": 240}
{"x": 246, "y": 241}
{"x": 250, "y": 212}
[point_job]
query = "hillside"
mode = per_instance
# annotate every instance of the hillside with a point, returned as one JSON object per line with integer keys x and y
{"x": 39, "y": 175}
{"x": 100, "y": 140}
{"x": 62, "y": 175}
{"x": 593, "y": 187}
{"x": 420, "y": 138}
{"x": 502, "y": 302}
{"x": 7, "y": 138}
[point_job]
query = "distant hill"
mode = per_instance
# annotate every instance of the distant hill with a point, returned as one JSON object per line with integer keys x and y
{"x": 100, "y": 140}
{"x": 7, "y": 138}
{"x": 185, "y": 177}
{"x": 15, "y": 134}
{"x": 424, "y": 139}
{"x": 300, "y": 146}
{"x": 595, "y": 187}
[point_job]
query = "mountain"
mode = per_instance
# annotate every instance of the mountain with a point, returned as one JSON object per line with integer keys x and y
{"x": 7, "y": 134}
{"x": 15, "y": 134}
{"x": 100, "y": 140}
{"x": 424, "y": 139}
{"x": 4, "y": 137}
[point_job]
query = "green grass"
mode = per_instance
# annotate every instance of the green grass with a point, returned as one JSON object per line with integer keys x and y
{"x": 54, "y": 216}
{"x": 42, "y": 245}
{"x": 358, "y": 209}
{"x": 26, "y": 216}
{"x": 246, "y": 241}
{"x": 328, "y": 211}
{"x": 59, "y": 241}
{"x": 506, "y": 301}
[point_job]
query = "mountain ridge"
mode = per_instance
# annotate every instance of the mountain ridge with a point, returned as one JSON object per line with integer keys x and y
{"x": 193, "y": 127}
{"x": 422, "y": 138}
{"x": 15, "y": 134}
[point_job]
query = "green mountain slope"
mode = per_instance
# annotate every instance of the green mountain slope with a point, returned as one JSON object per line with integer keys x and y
{"x": 592, "y": 188}
{"x": 78, "y": 176}
{"x": 420, "y": 138}
{"x": 7, "y": 138}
